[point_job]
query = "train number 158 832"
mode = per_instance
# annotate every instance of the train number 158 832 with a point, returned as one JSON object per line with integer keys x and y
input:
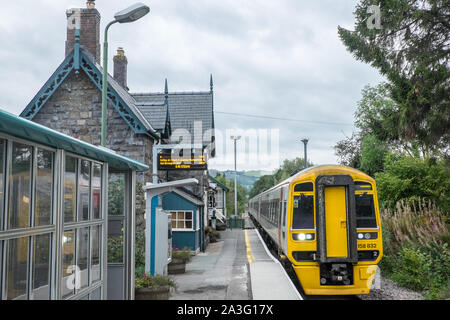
{"x": 367, "y": 245}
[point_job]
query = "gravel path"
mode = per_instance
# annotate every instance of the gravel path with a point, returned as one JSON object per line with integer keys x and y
{"x": 385, "y": 289}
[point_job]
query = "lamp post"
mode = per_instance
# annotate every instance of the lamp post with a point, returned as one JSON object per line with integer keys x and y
{"x": 130, "y": 14}
{"x": 305, "y": 142}
{"x": 235, "y": 138}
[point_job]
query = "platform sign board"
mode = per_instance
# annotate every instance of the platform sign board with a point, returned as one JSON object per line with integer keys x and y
{"x": 177, "y": 159}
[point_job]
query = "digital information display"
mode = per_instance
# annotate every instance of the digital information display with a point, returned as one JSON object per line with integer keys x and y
{"x": 176, "y": 160}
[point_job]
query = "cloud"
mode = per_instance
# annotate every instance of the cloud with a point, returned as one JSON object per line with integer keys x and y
{"x": 272, "y": 58}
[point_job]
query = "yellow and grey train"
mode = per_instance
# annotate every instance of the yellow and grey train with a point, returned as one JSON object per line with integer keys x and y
{"x": 324, "y": 222}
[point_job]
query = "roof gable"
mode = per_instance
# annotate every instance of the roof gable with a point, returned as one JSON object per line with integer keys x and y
{"x": 118, "y": 97}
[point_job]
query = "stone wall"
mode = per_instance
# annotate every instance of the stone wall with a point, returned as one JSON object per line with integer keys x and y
{"x": 75, "y": 109}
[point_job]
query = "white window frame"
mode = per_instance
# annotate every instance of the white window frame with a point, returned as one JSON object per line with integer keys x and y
{"x": 184, "y": 212}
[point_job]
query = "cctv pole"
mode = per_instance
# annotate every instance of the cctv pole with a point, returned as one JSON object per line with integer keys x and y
{"x": 305, "y": 142}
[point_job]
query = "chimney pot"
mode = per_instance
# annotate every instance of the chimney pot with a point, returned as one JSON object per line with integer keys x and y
{"x": 120, "y": 67}
{"x": 90, "y": 4}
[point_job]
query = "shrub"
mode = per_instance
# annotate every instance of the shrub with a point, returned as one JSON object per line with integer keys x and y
{"x": 412, "y": 178}
{"x": 158, "y": 281}
{"x": 139, "y": 251}
{"x": 213, "y": 234}
{"x": 184, "y": 254}
{"x": 416, "y": 248}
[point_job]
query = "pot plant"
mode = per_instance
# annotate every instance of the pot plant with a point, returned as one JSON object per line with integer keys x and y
{"x": 149, "y": 287}
{"x": 179, "y": 260}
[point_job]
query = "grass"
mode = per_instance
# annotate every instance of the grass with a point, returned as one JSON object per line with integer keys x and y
{"x": 416, "y": 248}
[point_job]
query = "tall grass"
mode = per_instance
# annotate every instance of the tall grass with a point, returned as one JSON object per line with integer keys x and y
{"x": 416, "y": 222}
{"x": 416, "y": 246}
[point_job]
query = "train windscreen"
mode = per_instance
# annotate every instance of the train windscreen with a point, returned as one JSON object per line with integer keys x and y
{"x": 365, "y": 211}
{"x": 303, "y": 215}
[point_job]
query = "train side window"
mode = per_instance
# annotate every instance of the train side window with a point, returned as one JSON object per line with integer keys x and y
{"x": 307, "y": 186}
{"x": 303, "y": 213}
{"x": 365, "y": 211}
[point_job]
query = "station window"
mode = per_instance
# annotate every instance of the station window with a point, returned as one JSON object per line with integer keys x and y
{"x": 17, "y": 268}
{"x": 365, "y": 211}
{"x": 303, "y": 213}
{"x": 20, "y": 186}
{"x": 82, "y": 237}
{"x": 182, "y": 220}
{"x": 68, "y": 264}
{"x": 84, "y": 187}
{"x": 70, "y": 189}
{"x": 44, "y": 187}
{"x": 41, "y": 266}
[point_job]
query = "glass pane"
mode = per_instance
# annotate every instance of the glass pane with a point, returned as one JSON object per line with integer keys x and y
{"x": 84, "y": 184}
{"x": 68, "y": 272}
{"x": 188, "y": 224}
{"x": 96, "y": 240}
{"x": 19, "y": 186}
{"x": 307, "y": 186}
{"x": 116, "y": 192}
{"x": 96, "y": 294}
{"x": 82, "y": 256}
{"x": 44, "y": 188}
{"x": 115, "y": 241}
{"x": 180, "y": 224}
{"x": 96, "y": 192}
{"x": 96, "y": 175}
{"x": 2, "y": 154}
{"x": 16, "y": 269}
{"x": 180, "y": 215}
{"x": 303, "y": 217}
{"x": 41, "y": 267}
{"x": 188, "y": 215}
{"x": 70, "y": 190}
{"x": 365, "y": 211}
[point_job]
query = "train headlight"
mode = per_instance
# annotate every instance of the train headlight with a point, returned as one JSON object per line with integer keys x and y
{"x": 367, "y": 235}
{"x": 303, "y": 236}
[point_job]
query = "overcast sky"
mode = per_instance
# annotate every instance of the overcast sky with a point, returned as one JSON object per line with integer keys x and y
{"x": 278, "y": 59}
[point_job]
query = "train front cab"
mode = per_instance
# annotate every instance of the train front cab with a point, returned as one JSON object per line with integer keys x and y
{"x": 334, "y": 232}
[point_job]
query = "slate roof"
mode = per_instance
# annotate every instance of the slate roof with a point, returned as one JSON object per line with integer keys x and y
{"x": 184, "y": 109}
{"x": 155, "y": 113}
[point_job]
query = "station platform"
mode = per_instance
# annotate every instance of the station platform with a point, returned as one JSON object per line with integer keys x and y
{"x": 268, "y": 279}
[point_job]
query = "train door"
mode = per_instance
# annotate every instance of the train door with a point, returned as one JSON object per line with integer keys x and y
{"x": 336, "y": 222}
{"x": 336, "y": 215}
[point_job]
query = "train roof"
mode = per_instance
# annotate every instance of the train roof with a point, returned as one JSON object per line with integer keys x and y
{"x": 317, "y": 169}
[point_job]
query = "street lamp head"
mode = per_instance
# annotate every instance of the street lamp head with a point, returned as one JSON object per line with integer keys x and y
{"x": 133, "y": 13}
{"x": 235, "y": 137}
{"x": 305, "y": 141}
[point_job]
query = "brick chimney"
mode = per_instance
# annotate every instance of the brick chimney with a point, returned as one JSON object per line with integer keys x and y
{"x": 88, "y": 21}
{"x": 120, "y": 68}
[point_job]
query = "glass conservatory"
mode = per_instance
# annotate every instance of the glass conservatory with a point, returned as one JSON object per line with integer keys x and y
{"x": 55, "y": 225}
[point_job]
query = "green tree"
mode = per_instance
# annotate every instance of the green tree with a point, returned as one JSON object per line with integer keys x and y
{"x": 411, "y": 49}
{"x": 373, "y": 152}
{"x": 287, "y": 169}
{"x": 242, "y": 197}
{"x": 413, "y": 178}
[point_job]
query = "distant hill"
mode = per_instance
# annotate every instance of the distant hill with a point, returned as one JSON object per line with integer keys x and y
{"x": 244, "y": 178}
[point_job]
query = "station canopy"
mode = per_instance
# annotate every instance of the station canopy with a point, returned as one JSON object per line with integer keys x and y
{"x": 25, "y": 129}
